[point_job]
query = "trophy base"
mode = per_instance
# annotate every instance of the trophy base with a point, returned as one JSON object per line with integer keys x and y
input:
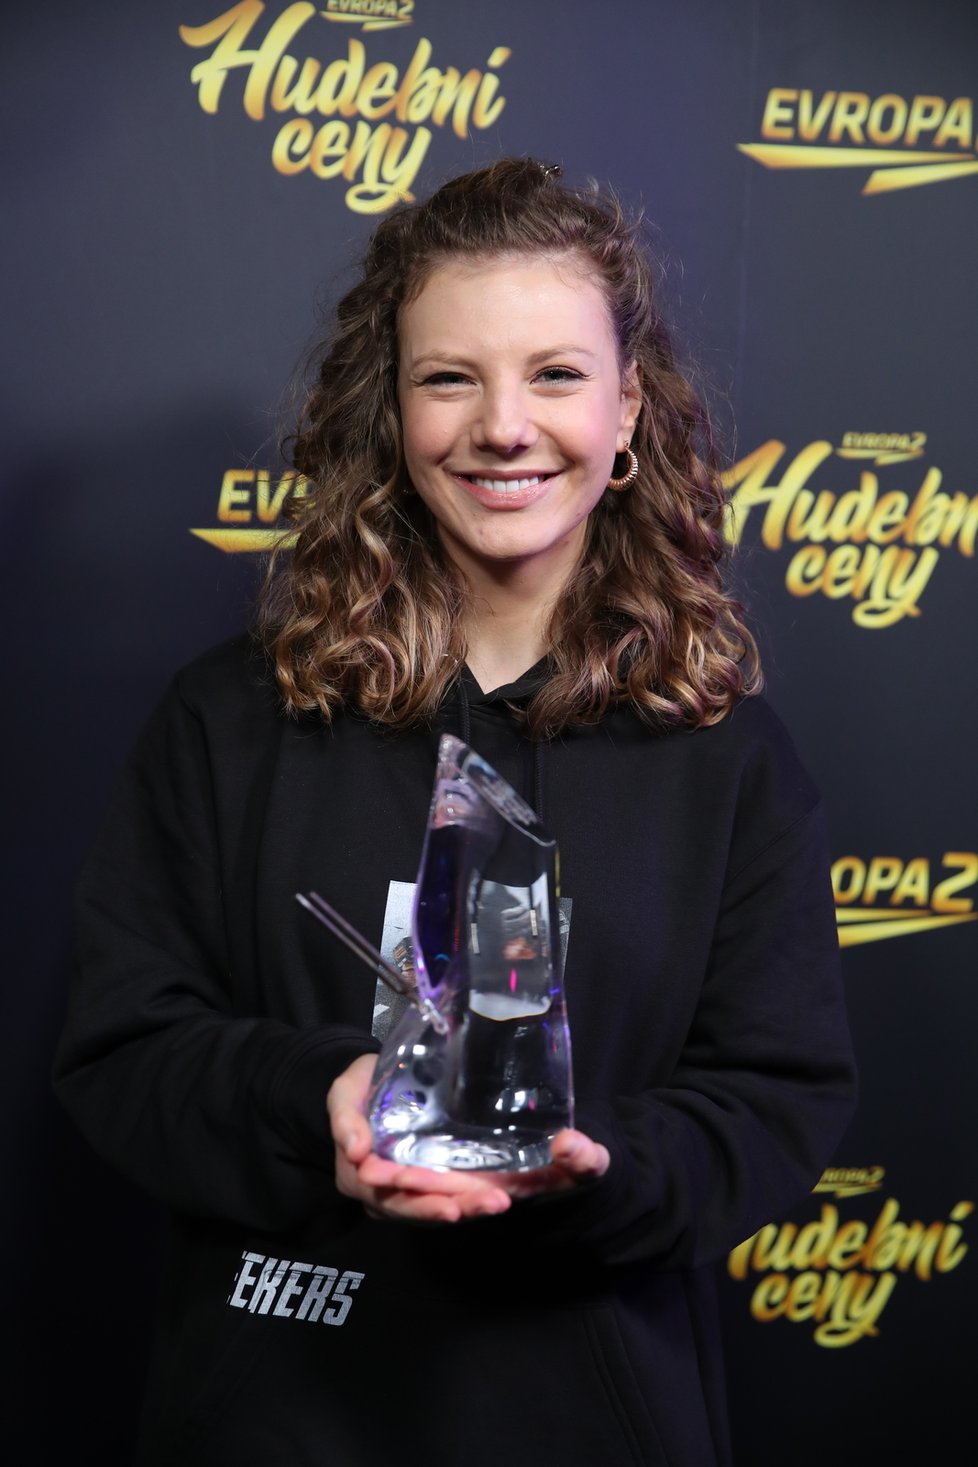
{"x": 498, "y": 1151}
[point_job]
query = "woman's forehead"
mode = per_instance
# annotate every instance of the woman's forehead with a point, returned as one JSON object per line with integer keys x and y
{"x": 573, "y": 263}
{"x": 493, "y": 290}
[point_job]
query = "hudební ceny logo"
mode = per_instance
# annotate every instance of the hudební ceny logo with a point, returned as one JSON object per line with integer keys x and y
{"x": 837, "y": 1273}
{"x": 874, "y": 544}
{"x": 345, "y": 116}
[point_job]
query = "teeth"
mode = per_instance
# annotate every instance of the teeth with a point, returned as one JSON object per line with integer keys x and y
{"x": 504, "y": 486}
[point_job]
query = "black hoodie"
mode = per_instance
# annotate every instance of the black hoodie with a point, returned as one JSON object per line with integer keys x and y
{"x": 210, "y": 1015}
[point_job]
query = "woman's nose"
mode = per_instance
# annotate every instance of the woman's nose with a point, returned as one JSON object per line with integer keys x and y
{"x": 505, "y": 422}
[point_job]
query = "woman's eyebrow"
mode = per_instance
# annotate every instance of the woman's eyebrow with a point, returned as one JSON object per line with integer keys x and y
{"x": 563, "y": 349}
{"x": 459, "y": 358}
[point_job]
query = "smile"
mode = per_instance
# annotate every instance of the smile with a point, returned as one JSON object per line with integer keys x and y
{"x": 505, "y": 486}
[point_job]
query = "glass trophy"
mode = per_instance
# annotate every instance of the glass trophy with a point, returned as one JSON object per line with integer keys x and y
{"x": 476, "y": 1075}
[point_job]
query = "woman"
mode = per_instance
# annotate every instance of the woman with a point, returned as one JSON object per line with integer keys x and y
{"x": 513, "y": 531}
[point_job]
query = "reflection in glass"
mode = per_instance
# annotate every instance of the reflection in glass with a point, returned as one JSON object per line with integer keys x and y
{"x": 495, "y": 1087}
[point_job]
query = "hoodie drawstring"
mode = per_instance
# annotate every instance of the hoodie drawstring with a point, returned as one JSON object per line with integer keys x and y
{"x": 536, "y": 768}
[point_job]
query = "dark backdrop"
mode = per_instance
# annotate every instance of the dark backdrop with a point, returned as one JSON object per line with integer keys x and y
{"x": 810, "y": 172}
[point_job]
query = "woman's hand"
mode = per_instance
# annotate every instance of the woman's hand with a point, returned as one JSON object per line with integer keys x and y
{"x": 418, "y": 1194}
{"x": 575, "y": 1158}
{"x": 390, "y": 1188}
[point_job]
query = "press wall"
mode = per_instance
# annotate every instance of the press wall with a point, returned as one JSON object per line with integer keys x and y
{"x": 181, "y": 204}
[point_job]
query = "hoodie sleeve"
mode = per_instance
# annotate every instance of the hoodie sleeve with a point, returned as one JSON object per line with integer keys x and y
{"x": 761, "y": 1093}
{"x": 210, "y": 1108}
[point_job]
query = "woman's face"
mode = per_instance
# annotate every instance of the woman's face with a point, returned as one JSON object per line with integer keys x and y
{"x": 513, "y": 408}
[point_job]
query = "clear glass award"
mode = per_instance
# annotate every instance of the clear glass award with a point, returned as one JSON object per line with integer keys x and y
{"x": 477, "y": 1073}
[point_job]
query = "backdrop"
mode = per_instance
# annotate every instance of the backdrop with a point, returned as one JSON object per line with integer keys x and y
{"x": 186, "y": 190}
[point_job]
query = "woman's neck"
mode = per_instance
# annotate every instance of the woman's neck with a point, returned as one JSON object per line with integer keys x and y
{"x": 508, "y": 609}
{"x": 497, "y": 654}
{"x": 505, "y": 625}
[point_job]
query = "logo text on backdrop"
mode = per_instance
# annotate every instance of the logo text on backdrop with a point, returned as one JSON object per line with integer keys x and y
{"x": 250, "y": 508}
{"x": 370, "y": 15}
{"x": 838, "y": 1274}
{"x": 373, "y": 135}
{"x": 877, "y": 548}
{"x": 878, "y": 897}
{"x": 904, "y": 141}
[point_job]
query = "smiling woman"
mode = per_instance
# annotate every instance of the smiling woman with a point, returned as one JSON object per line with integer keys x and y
{"x": 512, "y": 533}
{"x": 505, "y": 331}
{"x": 511, "y": 443}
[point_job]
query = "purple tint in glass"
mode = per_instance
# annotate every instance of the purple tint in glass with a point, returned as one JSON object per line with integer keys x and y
{"x": 493, "y": 1089}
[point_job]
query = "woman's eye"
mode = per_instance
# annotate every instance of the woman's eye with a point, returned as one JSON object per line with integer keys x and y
{"x": 444, "y": 379}
{"x": 558, "y": 374}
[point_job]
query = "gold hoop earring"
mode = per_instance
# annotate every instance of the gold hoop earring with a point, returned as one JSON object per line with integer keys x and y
{"x": 627, "y": 480}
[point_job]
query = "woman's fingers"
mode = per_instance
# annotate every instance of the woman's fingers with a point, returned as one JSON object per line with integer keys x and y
{"x": 578, "y": 1155}
{"x": 391, "y": 1188}
{"x": 346, "y": 1104}
{"x": 575, "y": 1158}
{"x": 436, "y": 1206}
{"x": 378, "y": 1172}
{"x": 414, "y": 1193}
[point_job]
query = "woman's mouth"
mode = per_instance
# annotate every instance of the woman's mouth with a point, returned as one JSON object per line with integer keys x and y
{"x": 509, "y": 485}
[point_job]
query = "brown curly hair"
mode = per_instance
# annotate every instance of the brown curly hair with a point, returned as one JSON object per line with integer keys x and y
{"x": 366, "y": 609}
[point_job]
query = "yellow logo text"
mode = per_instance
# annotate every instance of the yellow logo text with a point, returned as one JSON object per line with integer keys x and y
{"x": 877, "y": 548}
{"x": 370, "y": 15}
{"x": 373, "y": 136}
{"x": 888, "y": 896}
{"x": 840, "y": 1275}
{"x": 249, "y": 510}
{"x": 906, "y": 141}
{"x": 850, "y": 1181}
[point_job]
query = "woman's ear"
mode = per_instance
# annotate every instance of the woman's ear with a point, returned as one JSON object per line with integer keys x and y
{"x": 631, "y": 399}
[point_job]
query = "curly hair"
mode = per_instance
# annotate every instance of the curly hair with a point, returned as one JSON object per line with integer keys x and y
{"x": 365, "y": 610}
